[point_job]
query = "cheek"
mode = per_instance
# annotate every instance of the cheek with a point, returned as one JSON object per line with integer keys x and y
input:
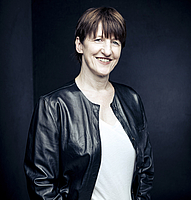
{"x": 91, "y": 51}
{"x": 117, "y": 54}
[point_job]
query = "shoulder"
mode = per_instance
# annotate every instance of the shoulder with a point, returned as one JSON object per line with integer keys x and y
{"x": 131, "y": 103}
{"x": 60, "y": 93}
{"x": 124, "y": 91}
{"x": 57, "y": 101}
{"x": 61, "y": 96}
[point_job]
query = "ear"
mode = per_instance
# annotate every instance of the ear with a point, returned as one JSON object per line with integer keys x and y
{"x": 79, "y": 45}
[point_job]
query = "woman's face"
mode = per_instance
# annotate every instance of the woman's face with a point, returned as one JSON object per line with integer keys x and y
{"x": 99, "y": 55}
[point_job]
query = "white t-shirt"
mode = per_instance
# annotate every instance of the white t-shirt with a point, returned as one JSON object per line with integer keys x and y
{"x": 117, "y": 164}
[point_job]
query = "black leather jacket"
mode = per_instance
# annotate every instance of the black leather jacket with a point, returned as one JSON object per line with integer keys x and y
{"x": 64, "y": 149}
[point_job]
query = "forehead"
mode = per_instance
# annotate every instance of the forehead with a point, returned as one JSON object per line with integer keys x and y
{"x": 99, "y": 32}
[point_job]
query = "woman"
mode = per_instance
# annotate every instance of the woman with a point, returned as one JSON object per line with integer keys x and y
{"x": 89, "y": 139}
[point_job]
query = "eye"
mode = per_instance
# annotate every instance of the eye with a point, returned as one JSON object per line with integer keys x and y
{"x": 98, "y": 40}
{"x": 115, "y": 42}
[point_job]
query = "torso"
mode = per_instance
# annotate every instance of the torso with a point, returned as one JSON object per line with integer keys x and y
{"x": 117, "y": 163}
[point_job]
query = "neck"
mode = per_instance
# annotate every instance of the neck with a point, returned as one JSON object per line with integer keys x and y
{"x": 95, "y": 83}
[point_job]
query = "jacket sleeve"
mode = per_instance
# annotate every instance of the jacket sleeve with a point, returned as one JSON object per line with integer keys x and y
{"x": 146, "y": 174}
{"x": 146, "y": 171}
{"x": 41, "y": 163}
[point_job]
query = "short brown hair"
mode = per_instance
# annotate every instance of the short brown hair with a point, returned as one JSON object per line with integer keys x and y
{"x": 112, "y": 22}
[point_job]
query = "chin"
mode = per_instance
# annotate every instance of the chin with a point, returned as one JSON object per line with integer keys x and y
{"x": 103, "y": 74}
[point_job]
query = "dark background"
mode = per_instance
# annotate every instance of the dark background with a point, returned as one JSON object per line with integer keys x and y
{"x": 36, "y": 56}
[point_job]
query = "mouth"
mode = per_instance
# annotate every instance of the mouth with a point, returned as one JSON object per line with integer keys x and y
{"x": 106, "y": 60}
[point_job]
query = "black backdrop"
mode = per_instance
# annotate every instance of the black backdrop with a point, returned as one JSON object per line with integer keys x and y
{"x": 16, "y": 94}
{"x": 156, "y": 62}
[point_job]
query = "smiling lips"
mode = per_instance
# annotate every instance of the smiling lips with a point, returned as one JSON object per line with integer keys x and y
{"x": 106, "y": 60}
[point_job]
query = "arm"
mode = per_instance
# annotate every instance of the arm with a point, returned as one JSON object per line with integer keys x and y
{"x": 146, "y": 172}
{"x": 42, "y": 155}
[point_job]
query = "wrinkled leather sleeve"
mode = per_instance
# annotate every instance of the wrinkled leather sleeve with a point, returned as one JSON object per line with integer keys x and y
{"x": 42, "y": 155}
{"x": 146, "y": 171}
{"x": 146, "y": 175}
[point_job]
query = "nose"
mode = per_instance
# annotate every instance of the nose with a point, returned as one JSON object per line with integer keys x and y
{"x": 107, "y": 50}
